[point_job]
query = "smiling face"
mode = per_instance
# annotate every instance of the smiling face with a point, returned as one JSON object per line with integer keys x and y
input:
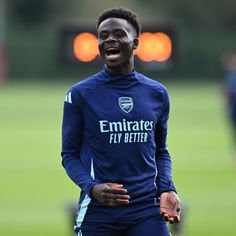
{"x": 116, "y": 41}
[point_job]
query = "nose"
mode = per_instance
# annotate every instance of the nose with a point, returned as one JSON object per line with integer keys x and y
{"x": 110, "y": 38}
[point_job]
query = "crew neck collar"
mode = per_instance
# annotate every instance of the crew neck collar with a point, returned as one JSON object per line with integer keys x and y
{"x": 112, "y": 76}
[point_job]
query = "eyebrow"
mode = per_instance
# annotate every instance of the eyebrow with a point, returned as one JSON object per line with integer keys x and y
{"x": 113, "y": 30}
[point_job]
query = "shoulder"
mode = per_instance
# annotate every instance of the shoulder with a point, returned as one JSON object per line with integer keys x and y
{"x": 78, "y": 91}
{"x": 88, "y": 82}
{"x": 85, "y": 85}
{"x": 152, "y": 84}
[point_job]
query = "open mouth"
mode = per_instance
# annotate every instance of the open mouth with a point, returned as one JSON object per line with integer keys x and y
{"x": 112, "y": 53}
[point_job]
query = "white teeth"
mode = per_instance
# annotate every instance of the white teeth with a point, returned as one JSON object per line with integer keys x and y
{"x": 111, "y": 49}
{"x": 108, "y": 49}
{"x": 112, "y": 53}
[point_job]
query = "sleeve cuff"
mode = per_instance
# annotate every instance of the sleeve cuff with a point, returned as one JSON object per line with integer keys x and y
{"x": 168, "y": 187}
{"x": 90, "y": 187}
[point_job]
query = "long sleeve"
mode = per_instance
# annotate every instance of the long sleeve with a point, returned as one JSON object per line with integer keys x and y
{"x": 163, "y": 159}
{"x": 72, "y": 140}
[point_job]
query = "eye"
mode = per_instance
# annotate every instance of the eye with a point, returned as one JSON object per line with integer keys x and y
{"x": 103, "y": 35}
{"x": 119, "y": 34}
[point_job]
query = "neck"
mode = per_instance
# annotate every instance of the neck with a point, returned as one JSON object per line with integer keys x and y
{"x": 122, "y": 69}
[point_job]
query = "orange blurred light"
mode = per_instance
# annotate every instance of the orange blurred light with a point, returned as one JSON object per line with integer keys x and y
{"x": 86, "y": 47}
{"x": 154, "y": 47}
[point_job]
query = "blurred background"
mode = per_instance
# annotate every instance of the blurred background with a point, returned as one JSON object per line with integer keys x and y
{"x": 45, "y": 47}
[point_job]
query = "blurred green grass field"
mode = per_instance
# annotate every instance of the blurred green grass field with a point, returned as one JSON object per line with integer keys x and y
{"x": 35, "y": 190}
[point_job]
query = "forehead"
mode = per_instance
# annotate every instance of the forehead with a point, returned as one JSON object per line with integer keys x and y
{"x": 115, "y": 23}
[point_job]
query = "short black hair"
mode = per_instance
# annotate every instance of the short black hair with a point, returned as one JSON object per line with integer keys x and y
{"x": 122, "y": 13}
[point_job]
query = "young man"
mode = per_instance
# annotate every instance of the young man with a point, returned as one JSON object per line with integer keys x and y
{"x": 229, "y": 92}
{"x": 114, "y": 141}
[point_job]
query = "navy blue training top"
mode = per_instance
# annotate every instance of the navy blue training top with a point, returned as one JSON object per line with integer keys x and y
{"x": 114, "y": 130}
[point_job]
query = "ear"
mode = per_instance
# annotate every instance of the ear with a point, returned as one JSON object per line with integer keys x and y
{"x": 135, "y": 43}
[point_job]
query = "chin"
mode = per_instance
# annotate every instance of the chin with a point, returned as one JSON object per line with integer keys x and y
{"x": 113, "y": 65}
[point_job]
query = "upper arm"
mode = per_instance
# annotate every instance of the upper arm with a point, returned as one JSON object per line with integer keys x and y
{"x": 162, "y": 124}
{"x": 73, "y": 122}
